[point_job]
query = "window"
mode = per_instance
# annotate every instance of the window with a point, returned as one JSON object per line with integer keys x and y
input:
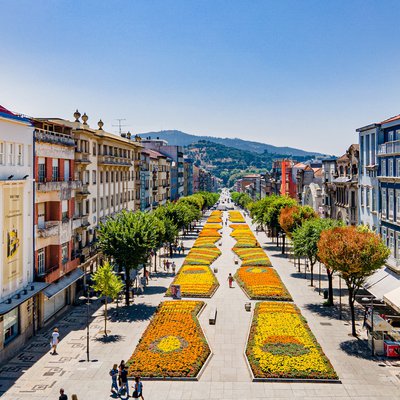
{"x": 2, "y": 155}
{"x": 373, "y": 145}
{"x": 367, "y": 197}
{"x": 391, "y": 242}
{"x": 54, "y": 173}
{"x": 397, "y": 205}
{"x": 390, "y": 167}
{"x": 384, "y": 202}
{"x": 94, "y": 149}
{"x": 93, "y": 205}
{"x": 66, "y": 170}
{"x": 10, "y": 325}
{"x": 390, "y": 136}
{"x": 94, "y": 177}
{"x": 87, "y": 177}
{"x": 87, "y": 207}
{"x": 101, "y": 176}
{"x": 112, "y": 201}
{"x": 41, "y": 169}
{"x": 64, "y": 253}
{"x": 41, "y": 216}
{"x": 367, "y": 150}
{"x": 101, "y": 203}
{"x": 41, "y": 263}
{"x": 384, "y": 236}
{"x": 116, "y": 176}
{"x": 107, "y": 202}
{"x": 362, "y": 197}
{"x": 373, "y": 198}
{"x": 383, "y": 167}
{"x": 391, "y": 204}
{"x": 112, "y": 176}
{"x": 10, "y": 154}
{"x": 64, "y": 206}
{"x": 106, "y": 176}
{"x": 20, "y": 154}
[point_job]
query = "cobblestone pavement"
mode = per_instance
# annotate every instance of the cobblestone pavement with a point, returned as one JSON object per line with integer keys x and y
{"x": 35, "y": 374}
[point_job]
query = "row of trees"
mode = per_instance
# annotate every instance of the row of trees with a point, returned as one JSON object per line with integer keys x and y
{"x": 354, "y": 253}
{"x": 241, "y": 199}
{"x": 129, "y": 237}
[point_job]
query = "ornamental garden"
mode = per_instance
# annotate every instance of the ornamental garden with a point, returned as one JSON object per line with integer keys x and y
{"x": 280, "y": 345}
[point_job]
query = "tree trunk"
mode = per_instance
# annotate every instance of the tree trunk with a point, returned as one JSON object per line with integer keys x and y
{"x": 127, "y": 286}
{"x": 330, "y": 287}
{"x": 105, "y": 317}
{"x": 312, "y": 273}
{"x": 352, "y": 312}
{"x": 170, "y": 249}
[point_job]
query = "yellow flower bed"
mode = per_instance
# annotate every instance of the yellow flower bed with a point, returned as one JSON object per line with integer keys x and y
{"x": 215, "y": 216}
{"x": 236, "y": 216}
{"x": 252, "y": 256}
{"x": 212, "y": 226}
{"x": 195, "y": 281}
{"x": 210, "y": 233}
{"x": 262, "y": 283}
{"x": 205, "y": 242}
{"x": 281, "y": 345}
{"x": 173, "y": 345}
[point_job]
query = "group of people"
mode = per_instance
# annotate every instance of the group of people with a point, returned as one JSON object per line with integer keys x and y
{"x": 167, "y": 264}
{"x": 119, "y": 382}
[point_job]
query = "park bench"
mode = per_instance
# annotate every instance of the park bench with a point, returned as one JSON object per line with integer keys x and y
{"x": 212, "y": 316}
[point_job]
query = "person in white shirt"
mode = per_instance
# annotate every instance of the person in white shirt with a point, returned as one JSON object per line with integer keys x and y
{"x": 54, "y": 340}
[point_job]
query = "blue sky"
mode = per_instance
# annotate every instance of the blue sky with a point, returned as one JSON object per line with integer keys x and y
{"x": 289, "y": 73}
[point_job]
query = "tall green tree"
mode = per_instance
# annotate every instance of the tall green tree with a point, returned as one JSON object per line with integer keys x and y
{"x": 108, "y": 284}
{"x": 305, "y": 244}
{"x": 355, "y": 254}
{"x": 292, "y": 217}
{"x": 128, "y": 238}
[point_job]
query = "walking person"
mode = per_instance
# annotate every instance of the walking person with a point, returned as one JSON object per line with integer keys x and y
{"x": 114, "y": 377}
{"x": 55, "y": 339}
{"x": 63, "y": 396}
{"x": 138, "y": 389}
{"x": 74, "y": 397}
{"x": 230, "y": 280}
{"x": 121, "y": 366}
{"x": 183, "y": 248}
{"x": 173, "y": 267}
{"x": 124, "y": 382}
{"x": 167, "y": 265}
{"x": 164, "y": 263}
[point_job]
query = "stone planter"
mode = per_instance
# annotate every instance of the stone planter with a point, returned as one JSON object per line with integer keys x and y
{"x": 215, "y": 269}
{"x": 247, "y": 306}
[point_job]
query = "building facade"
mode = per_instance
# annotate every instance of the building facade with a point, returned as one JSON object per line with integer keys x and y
{"x": 19, "y": 295}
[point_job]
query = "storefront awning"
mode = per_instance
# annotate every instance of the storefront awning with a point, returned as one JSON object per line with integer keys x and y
{"x": 382, "y": 282}
{"x": 23, "y": 295}
{"x": 393, "y": 298}
{"x": 63, "y": 283}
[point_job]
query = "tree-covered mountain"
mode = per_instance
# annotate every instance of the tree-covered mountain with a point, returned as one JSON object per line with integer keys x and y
{"x": 175, "y": 137}
{"x": 229, "y": 163}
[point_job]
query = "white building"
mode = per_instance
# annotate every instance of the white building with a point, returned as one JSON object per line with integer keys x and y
{"x": 18, "y": 292}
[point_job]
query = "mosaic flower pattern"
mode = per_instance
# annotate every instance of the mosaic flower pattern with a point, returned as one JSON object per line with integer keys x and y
{"x": 281, "y": 345}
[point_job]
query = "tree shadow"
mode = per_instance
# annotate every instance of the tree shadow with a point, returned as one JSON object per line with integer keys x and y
{"x": 155, "y": 289}
{"x": 300, "y": 275}
{"x": 110, "y": 338}
{"x": 334, "y": 312}
{"x": 135, "y": 312}
{"x": 356, "y": 348}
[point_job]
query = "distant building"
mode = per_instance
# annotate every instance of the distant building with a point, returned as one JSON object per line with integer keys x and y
{"x": 288, "y": 182}
{"x": 188, "y": 176}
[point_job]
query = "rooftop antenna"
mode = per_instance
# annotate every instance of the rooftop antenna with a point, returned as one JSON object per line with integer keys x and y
{"x": 120, "y": 125}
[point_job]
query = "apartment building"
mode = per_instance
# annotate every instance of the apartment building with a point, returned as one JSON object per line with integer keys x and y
{"x": 56, "y": 186}
{"x": 19, "y": 294}
{"x": 187, "y": 176}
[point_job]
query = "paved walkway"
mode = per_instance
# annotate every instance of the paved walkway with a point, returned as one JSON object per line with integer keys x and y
{"x": 39, "y": 375}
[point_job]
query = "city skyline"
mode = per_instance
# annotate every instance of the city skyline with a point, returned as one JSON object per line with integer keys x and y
{"x": 301, "y": 75}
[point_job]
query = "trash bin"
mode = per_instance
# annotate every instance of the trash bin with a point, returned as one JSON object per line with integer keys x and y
{"x": 325, "y": 294}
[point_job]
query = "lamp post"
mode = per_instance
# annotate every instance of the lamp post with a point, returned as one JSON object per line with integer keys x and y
{"x": 366, "y": 299}
{"x": 283, "y": 242}
{"x": 88, "y": 299}
{"x": 121, "y": 274}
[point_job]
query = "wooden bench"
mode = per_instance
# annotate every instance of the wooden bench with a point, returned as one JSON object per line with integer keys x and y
{"x": 212, "y": 316}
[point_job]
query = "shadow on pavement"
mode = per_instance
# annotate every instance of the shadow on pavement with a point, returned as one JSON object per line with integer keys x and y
{"x": 135, "y": 312}
{"x": 110, "y": 339}
{"x": 356, "y": 348}
{"x": 155, "y": 289}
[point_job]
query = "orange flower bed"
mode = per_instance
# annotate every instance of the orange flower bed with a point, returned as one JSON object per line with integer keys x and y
{"x": 236, "y": 216}
{"x": 205, "y": 242}
{"x": 252, "y": 256}
{"x": 215, "y": 217}
{"x": 209, "y": 233}
{"x": 173, "y": 345}
{"x": 262, "y": 283}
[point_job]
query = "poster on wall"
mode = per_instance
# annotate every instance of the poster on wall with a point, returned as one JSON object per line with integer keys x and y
{"x": 13, "y": 203}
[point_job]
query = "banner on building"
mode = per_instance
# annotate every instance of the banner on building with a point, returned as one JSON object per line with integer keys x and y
{"x": 13, "y": 204}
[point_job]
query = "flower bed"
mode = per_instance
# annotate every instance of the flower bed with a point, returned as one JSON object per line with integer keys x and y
{"x": 281, "y": 345}
{"x": 236, "y": 217}
{"x": 195, "y": 281}
{"x": 205, "y": 242}
{"x": 252, "y": 256}
{"x": 173, "y": 345}
{"x": 202, "y": 256}
{"x": 212, "y": 226}
{"x": 215, "y": 216}
{"x": 262, "y": 283}
{"x": 210, "y": 233}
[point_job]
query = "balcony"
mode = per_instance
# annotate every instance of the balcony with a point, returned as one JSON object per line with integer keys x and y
{"x": 50, "y": 228}
{"x": 45, "y": 136}
{"x": 389, "y": 148}
{"x": 51, "y": 186}
{"x": 113, "y": 160}
{"x": 84, "y": 191}
{"x": 82, "y": 158}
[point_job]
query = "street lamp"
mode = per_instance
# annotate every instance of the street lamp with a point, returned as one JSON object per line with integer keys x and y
{"x": 366, "y": 299}
{"x": 120, "y": 274}
{"x": 88, "y": 299}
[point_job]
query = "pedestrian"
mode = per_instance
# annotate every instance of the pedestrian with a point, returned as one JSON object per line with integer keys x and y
{"x": 114, "y": 377}
{"x": 173, "y": 267}
{"x": 181, "y": 244}
{"x": 147, "y": 275}
{"x": 167, "y": 265}
{"x": 121, "y": 366}
{"x": 138, "y": 389}
{"x": 63, "y": 396}
{"x": 179, "y": 250}
{"x": 183, "y": 249}
{"x": 230, "y": 280}
{"x": 124, "y": 382}
{"x": 55, "y": 338}
{"x": 74, "y": 397}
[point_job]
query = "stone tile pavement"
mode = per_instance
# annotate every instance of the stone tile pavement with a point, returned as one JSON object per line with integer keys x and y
{"x": 35, "y": 374}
